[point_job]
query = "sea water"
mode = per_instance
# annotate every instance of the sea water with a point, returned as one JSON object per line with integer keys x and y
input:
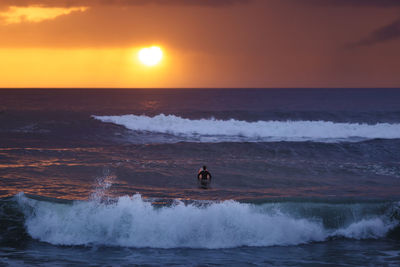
{"x": 108, "y": 177}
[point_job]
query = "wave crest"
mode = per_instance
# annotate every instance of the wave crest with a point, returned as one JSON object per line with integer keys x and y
{"x": 213, "y": 130}
{"x": 133, "y": 222}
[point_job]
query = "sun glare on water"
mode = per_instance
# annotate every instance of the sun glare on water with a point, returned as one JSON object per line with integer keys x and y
{"x": 150, "y": 56}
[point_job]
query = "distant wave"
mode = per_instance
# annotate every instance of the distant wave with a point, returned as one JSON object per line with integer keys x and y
{"x": 133, "y": 222}
{"x": 213, "y": 130}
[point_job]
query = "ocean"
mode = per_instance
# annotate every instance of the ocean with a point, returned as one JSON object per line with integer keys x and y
{"x": 108, "y": 177}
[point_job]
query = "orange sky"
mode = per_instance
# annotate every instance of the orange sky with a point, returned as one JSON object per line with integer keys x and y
{"x": 206, "y": 43}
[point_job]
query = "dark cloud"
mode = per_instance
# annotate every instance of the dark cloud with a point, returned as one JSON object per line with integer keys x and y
{"x": 387, "y": 33}
{"x": 90, "y": 3}
{"x": 353, "y": 3}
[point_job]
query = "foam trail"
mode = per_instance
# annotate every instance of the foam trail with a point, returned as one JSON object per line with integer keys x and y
{"x": 213, "y": 130}
{"x": 133, "y": 222}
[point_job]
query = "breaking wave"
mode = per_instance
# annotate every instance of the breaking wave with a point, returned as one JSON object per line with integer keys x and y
{"x": 134, "y": 222}
{"x": 214, "y": 130}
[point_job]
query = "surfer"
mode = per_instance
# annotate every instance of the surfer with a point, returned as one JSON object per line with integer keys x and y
{"x": 204, "y": 177}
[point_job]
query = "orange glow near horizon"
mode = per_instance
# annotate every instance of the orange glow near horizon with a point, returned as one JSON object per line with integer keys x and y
{"x": 35, "y": 13}
{"x": 112, "y": 67}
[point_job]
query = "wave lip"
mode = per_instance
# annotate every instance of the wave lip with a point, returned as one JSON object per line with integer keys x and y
{"x": 133, "y": 222}
{"x": 213, "y": 130}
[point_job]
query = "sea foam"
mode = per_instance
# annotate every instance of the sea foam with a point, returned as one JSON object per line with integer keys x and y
{"x": 134, "y": 222}
{"x": 214, "y": 130}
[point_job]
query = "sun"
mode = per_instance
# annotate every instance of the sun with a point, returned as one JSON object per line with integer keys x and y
{"x": 150, "y": 56}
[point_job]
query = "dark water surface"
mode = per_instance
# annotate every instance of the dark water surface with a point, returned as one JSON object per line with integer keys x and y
{"x": 300, "y": 177}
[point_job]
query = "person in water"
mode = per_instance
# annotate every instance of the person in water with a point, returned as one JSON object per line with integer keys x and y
{"x": 204, "y": 175}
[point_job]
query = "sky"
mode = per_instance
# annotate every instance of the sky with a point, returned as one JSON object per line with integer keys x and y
{"x": 205, "y": 43}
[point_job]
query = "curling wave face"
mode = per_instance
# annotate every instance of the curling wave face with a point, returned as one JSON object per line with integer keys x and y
{"x": 213, "y": 130}
{"x": 134, "y": 222}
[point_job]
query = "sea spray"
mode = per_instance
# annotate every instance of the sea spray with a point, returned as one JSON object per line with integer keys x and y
{"x": 102, "y": 185}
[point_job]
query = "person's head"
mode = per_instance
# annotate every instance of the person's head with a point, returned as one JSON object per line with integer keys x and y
{"x": 204, "y": 167}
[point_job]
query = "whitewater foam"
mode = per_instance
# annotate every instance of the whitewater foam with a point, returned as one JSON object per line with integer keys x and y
{"x": 134, "y": 222}
{"x": 213, "y": 130}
